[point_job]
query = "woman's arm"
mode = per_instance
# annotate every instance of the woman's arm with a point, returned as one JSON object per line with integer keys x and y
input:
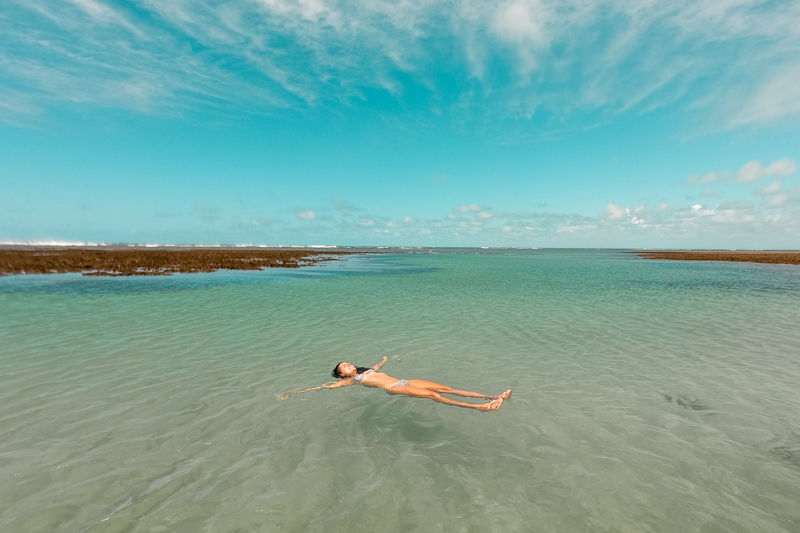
{"x": 379, "y": 365}
{"x": 337, "y": 384}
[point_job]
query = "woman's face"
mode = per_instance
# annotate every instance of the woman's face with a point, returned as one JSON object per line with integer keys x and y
{"x": 347, "y": 370}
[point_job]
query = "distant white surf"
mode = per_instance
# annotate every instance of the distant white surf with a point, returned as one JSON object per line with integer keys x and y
{"x": 159, "y": 245}
{"x": 52, "y": 243}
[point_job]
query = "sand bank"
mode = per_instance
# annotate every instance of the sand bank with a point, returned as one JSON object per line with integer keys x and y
{"x": 747, "y": 256}
{"x": 151, "y": 262}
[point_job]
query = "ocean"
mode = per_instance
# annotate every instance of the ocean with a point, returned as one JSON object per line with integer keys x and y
{"x": 659, "y": 396}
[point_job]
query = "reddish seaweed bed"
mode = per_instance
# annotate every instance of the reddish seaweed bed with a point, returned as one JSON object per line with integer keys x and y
{"x": 153, "y": 262}
{"x": 786, "y": 258}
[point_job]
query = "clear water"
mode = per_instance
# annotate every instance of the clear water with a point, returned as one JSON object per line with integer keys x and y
{"x": 648, "y": 396}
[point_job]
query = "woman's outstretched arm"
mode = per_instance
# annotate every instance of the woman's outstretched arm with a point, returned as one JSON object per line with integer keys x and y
{"x": 287, "y": 395}
{"x": 337, "y": 384}
{"x": 379, "y": 365}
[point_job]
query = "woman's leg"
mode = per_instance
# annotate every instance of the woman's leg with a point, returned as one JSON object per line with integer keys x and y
{"x": 419, "y": 392}
{"x": 444, "y": 389}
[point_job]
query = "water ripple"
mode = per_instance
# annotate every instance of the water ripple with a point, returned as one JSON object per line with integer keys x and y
{"x": 648, "y": 396}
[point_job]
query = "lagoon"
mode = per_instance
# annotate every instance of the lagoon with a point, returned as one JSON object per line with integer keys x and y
{"x": 648, "y": 396}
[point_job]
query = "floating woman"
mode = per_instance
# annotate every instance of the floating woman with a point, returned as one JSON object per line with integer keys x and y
{"x": 349, "y": 374}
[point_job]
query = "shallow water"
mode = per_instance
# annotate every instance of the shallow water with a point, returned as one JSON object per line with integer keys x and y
{"x": 648, "y": 396}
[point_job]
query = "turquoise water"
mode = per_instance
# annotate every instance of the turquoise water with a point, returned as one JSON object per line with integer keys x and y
{"x": 648, "y": 396}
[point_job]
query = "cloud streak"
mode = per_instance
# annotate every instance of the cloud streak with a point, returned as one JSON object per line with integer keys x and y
{"x": 749, "y": 172}
{"x": 753, "y": 170}
{"x": 306, "y": 214}
{"x": 468, "y": 59}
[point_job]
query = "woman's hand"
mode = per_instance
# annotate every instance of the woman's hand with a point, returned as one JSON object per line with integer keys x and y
{"x": 379, "y": 365}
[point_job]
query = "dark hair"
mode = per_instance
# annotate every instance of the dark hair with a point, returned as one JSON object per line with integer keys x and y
{"x": 335, "y": 373}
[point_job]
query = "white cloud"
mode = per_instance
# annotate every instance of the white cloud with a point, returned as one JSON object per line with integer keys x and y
{"x": 779, "y": 200}
{"x": 782, "y": 167}
{"x": 736, "y": 223}
{"x": 97, "y": 10}
{"x": 710, "y": 177}
{"x": 571, "y": 228}
{"x": 771, "y": 189}
{"x": 735, "y": 206}
{"x": 470, "y": 208}
{"x": 306, "y": 214}
{"x": 698, "y": 210}
{"x": 776, "y": 196}
{"x": 522, "y": 23}
{"x": 631, "y": 215}
{"x": 753, "y": 170}
{"x": 750, "y": 172}
{"x": 733, "y": 223}
{"x": 615, "y": 212}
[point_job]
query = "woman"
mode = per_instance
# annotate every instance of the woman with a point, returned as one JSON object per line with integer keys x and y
{"x": 416, "y": 388}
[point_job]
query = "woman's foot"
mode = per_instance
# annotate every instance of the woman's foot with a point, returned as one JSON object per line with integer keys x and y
{"x": 494, "y": 405}
{"x": 505, "y": 396}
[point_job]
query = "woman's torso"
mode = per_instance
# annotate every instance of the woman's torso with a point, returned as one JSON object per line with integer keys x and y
{"x": 378, "y": 380}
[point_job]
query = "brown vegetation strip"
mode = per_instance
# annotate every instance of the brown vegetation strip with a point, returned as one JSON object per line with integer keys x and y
{"x": 137, "y": 262}
{"x": 786, "y": 258}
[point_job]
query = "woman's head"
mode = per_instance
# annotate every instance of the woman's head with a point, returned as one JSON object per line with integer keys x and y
{"x": 347, "y": 370}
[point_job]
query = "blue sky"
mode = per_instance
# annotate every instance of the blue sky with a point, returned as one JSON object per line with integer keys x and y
{"x": 458, "y": 123}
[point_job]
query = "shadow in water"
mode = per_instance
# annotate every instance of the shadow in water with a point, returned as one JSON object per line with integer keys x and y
{"x": 687, "y": 402}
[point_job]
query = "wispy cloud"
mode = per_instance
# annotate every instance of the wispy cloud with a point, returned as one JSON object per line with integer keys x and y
{"x": 344, "y": 206}
{"x": 206, "y": 212}
{"x": 749, "y": 172}
{"x": 753, "y": 170}
{"x": 711, "y": 193}
{"x": 709, "y": 177}
{"x": 261, "y": 222}
{"x": 469, "y": 208}
{"x": 777, "y": 197}
{"x": 306, "y": 214}
{"x": 615, "y": 212}
{"x": 601, "y": 57}
{"x": 774, "y": 97}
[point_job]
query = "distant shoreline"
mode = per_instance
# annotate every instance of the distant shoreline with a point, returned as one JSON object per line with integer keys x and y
{"x": 153, "y": 262}
{"x": 743, "y": 256}
{"x": 147, "y": 261}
